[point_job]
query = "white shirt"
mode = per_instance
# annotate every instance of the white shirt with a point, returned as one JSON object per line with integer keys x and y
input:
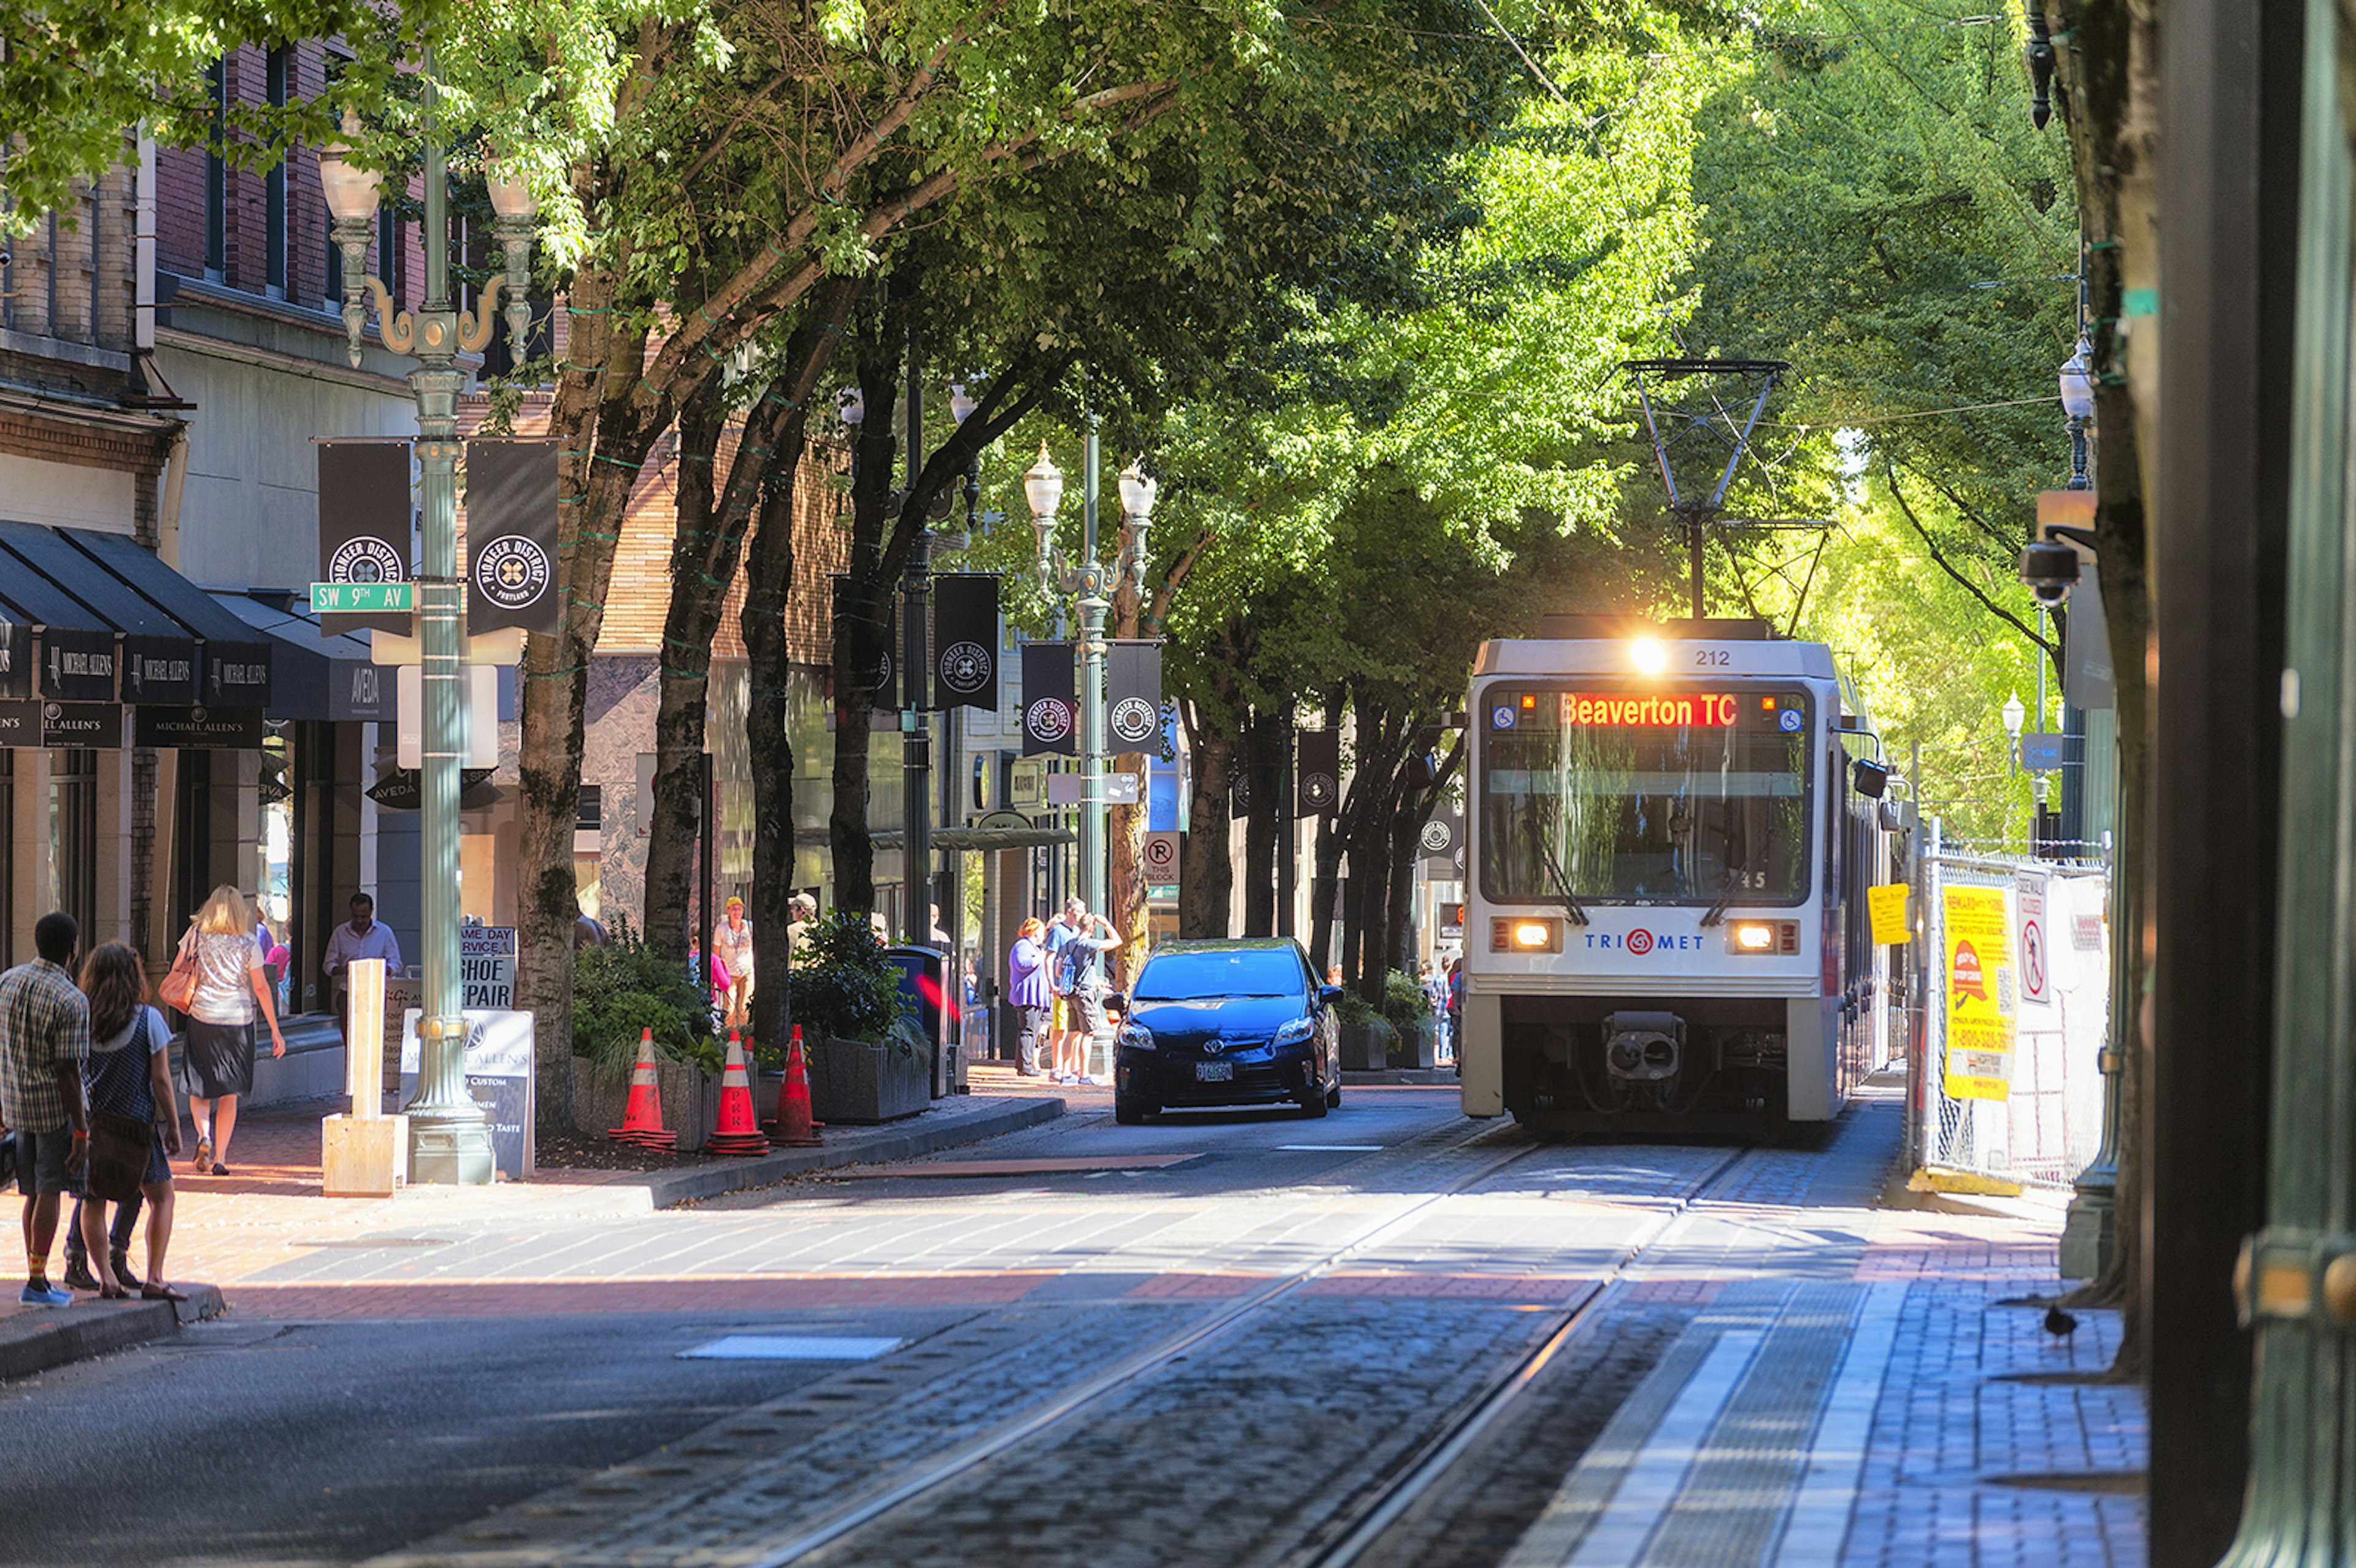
{"x": 377, "y": 942}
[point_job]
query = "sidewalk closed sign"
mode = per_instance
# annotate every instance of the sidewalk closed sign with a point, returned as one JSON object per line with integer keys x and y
{"x": 1977, "y": 965}
{"x": 487, "y": 958}
{"x": 2032, "y": 939}
{"x": 499, "y": 1075}
{"x": 1887, "y": 906}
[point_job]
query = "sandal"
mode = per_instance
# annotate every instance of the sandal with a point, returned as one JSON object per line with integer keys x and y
{"x": 204, "y": 1152}
{"x": 152, "y": 1292}
{"x": 220, "y": 1169}
{"x": 113, "y": 1293}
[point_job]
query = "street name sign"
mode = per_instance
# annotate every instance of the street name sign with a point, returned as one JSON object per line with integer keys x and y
{"x": 362, "y": 598}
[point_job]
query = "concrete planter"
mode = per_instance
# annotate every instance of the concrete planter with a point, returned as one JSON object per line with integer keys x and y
{"x": 1365, "y": 1048}
{"x": 691, "y": 1102}
{"x": 1418, "y": 1047}
{"x": 859, "y": 1085}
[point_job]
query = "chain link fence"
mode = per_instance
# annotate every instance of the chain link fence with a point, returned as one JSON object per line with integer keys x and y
{"x": 2009, "y": 1015}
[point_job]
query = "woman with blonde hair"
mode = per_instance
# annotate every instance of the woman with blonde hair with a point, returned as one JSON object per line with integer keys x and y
{"x": 131, "y": 1075}
{"x": 219, "y": 1047}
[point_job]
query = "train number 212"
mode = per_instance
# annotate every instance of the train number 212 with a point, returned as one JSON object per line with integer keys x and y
{"x": 1713, "y": 658}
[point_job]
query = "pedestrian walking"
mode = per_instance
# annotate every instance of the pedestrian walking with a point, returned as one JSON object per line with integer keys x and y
{"x": 44, "y": 1040}
{"x": 1456, "y": 1013}
{"x": 362, "y": 936}
{"x": 1028, "y": 992}
{"x": 733, "y": 945}
{"x": 219, "y": 1046}
{"x": 1086, "y": 980}
{"x": 1060, "y": 932}
{"x": 130, "y": 1076}
{"x": 800, "y": 910}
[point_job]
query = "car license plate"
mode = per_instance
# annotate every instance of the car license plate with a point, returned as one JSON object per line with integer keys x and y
{"x": 1215, "y": 1072}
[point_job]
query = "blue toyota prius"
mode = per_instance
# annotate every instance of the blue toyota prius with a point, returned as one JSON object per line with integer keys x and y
{"x": 1228, "y": 1023}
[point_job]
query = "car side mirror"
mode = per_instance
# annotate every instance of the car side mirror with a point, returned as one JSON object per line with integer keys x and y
{"x": 1328, "y": 994}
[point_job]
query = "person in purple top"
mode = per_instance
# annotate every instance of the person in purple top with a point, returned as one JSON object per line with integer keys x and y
{"x": 1027, "y": 991}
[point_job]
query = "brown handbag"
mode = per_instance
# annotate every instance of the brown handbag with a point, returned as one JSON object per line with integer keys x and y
{"x": 119, "y": 1148}
{"x": 178, "y": 990}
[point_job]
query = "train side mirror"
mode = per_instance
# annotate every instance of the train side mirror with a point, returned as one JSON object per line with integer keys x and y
{"x": 1871, "y": 777}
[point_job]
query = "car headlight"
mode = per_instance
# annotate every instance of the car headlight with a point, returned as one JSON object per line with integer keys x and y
{"x": 1294, "y": 1031}
{"x": 1137, "y": 1035}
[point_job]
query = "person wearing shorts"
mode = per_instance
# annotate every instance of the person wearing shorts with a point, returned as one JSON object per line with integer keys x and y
{"x": 1060, "y": 932}
{"x": 1084, "y": 967}
{"x": 44, "y": 1044}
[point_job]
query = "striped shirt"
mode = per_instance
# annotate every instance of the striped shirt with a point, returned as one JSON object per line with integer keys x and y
{"x": 44, "y": 1020}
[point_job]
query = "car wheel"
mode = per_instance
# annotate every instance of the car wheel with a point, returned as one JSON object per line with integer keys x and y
{"x": 1334, "y": 1098}
{"x": 1315, "y": 1104}
{"x": 1129, "y": 1113}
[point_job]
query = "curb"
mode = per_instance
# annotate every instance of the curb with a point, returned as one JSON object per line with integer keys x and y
{"x": 670, "y": 1187}
{"x": 1425, "y": 1075}
{"x": 35, "y": 1341}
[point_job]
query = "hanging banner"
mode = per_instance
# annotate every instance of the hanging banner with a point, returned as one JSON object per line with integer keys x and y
{"x": 1443, "y": 840}
{"x": 1133, "y": 696}
{"x": 16, "y": 660}
{"x": 1978, "y": 971}
{"x": 965, "y": 639}
{"x": 1317, "y": 792}
{"x": 1050, "y": 715}
{"x": 365, "y": 525}
{"x": 511, "y": 537}
{"x": 885, "y": 696}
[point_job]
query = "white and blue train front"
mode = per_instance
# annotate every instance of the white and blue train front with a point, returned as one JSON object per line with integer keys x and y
{"x": 1666, "y": 921}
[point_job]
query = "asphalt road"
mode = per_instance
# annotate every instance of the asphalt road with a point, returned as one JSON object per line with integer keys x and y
{"x": 579, "y": 1435}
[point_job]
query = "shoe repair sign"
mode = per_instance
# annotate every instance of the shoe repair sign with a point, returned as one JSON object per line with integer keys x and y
{"x": 1979, "y": 993}
{"x": 487, "y": 958}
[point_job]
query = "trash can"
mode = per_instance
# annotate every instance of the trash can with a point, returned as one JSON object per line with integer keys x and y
{"x": 925, "y": 994}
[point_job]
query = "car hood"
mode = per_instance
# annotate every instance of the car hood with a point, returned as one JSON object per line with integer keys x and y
{"x": 1227, "y": 1017}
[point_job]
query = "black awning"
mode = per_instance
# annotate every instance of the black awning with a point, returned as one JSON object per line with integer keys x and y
{"x": 236, "y": 660}
{"x": 77, "y": 647}
{"x": 313, "y": 676}
{"x": 159, "y": 655}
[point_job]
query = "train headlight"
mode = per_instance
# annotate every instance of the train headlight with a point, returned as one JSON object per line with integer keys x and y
{"x": 1647, "y": 655}
{"x": 1759, "y": 938}
{"x": 1531, "y": 934}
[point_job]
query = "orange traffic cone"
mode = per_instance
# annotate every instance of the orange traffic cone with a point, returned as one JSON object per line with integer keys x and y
{"x": 642, "y": 1121}
{"x": 736, "y": 1133}
{"x": 793, "y": 1126}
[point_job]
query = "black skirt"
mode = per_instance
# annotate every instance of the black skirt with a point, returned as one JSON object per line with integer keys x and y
{"x": 219, "y": 1059}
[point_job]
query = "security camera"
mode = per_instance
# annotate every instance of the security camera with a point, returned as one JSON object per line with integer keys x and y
{"x": 2049, "y": 570}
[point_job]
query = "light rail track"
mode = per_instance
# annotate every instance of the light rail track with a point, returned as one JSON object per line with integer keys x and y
{"x": 1361, "y": 1524}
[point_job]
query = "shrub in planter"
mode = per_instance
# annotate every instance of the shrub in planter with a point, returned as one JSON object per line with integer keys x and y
{"x": 627, "y": 986}
{"x": 867, "y": 1061}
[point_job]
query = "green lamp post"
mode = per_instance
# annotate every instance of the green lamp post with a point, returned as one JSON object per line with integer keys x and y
{"x": 449, "y": 1139}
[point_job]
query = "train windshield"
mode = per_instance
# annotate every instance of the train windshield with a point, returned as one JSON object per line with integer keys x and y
{"x": 1678, "y": 795}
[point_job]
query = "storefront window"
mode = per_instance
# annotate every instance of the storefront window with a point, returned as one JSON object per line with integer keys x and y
{"x": 7, "y": 856}
{"x": 73, "y": 836}
{"x": 274, "y": 842}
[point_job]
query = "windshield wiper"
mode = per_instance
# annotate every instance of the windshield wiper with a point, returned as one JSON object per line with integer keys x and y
{"x": 1734, "y": 882}
{"x": 1562, "y": 886}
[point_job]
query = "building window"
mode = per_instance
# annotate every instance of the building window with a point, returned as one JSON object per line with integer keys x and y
{"x": 388, "y": 258}
{"x": 73, "y": 837}
{"x": 274, "y": 218}
{"x": 216, "y": 176}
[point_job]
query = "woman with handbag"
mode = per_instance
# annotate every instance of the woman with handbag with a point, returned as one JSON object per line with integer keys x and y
{"x": 225, "y": 985}
{"x": 134, "y": 1121}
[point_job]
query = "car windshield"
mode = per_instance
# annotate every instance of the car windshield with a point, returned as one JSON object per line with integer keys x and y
{"x": 1245, "y": 972}
{"x": 1676, "y": 796}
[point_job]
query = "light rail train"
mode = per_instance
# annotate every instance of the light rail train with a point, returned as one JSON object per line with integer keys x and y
{"x": 1670, "y": 833}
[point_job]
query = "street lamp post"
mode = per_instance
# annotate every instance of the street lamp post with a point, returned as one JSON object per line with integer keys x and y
{"x": 1093, "y": 583}
{"x": 449, "y": 1139}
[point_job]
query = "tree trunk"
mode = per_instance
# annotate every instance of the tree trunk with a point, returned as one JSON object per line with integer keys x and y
{"x": 1328, "y": 869}
{"x": 684, "y": 668}
{"x": 1262, "y": 738}
{"x": 863, "y": 627}
{"x": 1206, "y": 880}
{"x": 1407, "y": 826}
{"x": 1124, "y": 879}
{"x": 2108, "y": 71}
{"x": 595, "y": 409}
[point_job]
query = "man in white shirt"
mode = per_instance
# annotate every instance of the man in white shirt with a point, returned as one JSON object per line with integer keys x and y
{"x": 362, "y": 937}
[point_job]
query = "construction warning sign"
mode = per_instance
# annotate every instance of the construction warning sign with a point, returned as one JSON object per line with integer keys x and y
{"x": 1979, "y": 1000}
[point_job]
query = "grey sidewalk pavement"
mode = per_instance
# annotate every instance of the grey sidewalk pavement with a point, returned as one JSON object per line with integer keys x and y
{"x": 957, "y": 1119}
{"x": 35, "y": 1338}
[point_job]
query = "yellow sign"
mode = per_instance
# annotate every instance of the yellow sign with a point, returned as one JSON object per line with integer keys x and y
{"x": 1978, "y": 979}
{"x": 1888, "y": 908}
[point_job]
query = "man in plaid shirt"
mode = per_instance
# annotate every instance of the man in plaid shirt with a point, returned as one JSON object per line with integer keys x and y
{"x": 44, "y": 1041}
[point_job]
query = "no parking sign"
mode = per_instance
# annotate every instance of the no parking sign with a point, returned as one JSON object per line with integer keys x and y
{"x": 2031, "y": 942}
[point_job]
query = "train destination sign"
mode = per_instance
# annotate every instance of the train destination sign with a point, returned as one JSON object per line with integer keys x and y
{"x": 1715, "y": 711}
